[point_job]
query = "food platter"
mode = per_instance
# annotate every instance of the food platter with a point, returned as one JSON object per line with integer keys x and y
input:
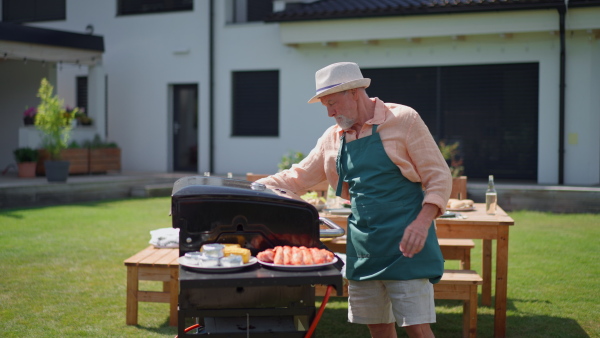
{"x": 298, "y": 267}
{"x": 461, "y": 209}
{"x": 253, "y": 260}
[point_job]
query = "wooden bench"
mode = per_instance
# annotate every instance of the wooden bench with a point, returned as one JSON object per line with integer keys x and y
{"x": 457, "y": 249}
{"x": 154, "y": 265}
{"x": 456, "y": 285}
{"x": 461, "y": 285}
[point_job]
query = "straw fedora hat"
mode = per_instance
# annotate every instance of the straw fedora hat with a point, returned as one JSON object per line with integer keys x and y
{"x": 338, "y": 77}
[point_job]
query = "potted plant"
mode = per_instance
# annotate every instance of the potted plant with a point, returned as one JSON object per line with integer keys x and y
{"x": 54, "y": 124}
{"x": 455, "y": 163}
{"x": 287, "y": 160}
{"x": 82, "y": 118}
{"x": 29, "y": 116}
{"x": 26, "y": 161}
{"x": 75, "y": 154}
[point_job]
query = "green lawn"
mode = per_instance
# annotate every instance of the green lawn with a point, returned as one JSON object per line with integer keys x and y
{"x": 63, "y": 275}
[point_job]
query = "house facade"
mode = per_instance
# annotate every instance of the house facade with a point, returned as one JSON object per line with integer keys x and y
{"x": 222, "y": 86}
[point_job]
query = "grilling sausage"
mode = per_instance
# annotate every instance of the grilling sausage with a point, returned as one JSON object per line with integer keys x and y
{"x": 278, "y": 255}
{"x": 287, "y": 255}
{"x": 297, "y": 256}
{"x": 266, "y": 256}
{"x": 306, "y": 256}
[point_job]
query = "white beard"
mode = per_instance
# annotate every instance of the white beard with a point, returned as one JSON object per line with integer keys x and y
{"x": 344, "y": 122}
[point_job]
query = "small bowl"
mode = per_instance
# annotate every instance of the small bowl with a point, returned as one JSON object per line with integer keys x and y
{"x": 232, "y": 260}
{"x": 193, "y": 258}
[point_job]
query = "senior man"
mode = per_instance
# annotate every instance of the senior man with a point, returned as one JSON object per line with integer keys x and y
{"x": 382, "y": 157}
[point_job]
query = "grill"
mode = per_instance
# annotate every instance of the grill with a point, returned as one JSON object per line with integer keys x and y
{"x": 253, "y": 301}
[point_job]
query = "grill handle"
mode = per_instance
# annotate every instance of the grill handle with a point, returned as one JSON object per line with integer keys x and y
{"x": 333, "y": 231}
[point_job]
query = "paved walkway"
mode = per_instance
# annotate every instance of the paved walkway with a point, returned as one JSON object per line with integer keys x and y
{"x": 18, "y": 192}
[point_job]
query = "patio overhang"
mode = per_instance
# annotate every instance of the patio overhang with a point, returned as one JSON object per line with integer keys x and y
{"x": 18, "y": 42}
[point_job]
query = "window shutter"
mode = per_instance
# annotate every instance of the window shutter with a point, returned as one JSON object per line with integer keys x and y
{"x": 82, "y": 93}
{"x": 255, "y": 103}
{"x": 127, "y": 7}
{"x": 258, "y": 10}
{"x": 17, "y": 11}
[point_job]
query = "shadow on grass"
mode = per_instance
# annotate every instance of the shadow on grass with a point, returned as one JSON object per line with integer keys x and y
{"x": 518, "y": 325}
{"x": 163, "y": 329}
{"x": 334, "y": 324}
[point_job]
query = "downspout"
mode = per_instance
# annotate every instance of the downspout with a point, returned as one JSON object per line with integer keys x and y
{"x": 561, "y": 101}
{"x": 211, "y": 108}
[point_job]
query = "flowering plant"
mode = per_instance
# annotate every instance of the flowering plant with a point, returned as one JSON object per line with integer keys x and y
{"x": 79, "y": 115}
{"x": 29, "y": 115}
{"x": 30, "y": 112}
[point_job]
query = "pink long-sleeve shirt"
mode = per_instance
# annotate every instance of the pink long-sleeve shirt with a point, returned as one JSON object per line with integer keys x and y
{"x": 406, "y": 140}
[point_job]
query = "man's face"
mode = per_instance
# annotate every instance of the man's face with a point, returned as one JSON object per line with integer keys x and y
{"x": 342, "y": 107}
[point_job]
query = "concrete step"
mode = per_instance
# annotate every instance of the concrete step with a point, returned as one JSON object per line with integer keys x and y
{"x": 152, "y": 190}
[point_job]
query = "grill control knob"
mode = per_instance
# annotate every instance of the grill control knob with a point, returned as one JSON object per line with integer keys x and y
{"x": 188, "y": 240}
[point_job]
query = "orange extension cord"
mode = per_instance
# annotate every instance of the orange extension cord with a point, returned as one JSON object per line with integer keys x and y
{"x": 314, "y": 324}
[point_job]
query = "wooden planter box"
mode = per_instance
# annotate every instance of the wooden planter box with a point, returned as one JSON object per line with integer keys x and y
{"x": 85, "y": 161}
{"x": 78, "y": 158}
{"x": 105, "y": 159}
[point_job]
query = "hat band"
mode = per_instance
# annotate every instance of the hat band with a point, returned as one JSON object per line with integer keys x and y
{"x": 325, "y": 88}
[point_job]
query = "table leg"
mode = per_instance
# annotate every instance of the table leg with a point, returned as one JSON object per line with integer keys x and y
{"x": 174, "y": 294}
{"x": 486, "y": 288}
{"x": 501, "y": 282}
{"x": 131, "y": 313}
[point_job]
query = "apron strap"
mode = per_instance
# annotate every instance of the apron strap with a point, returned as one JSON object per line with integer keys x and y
{"x": 338, "y": 190}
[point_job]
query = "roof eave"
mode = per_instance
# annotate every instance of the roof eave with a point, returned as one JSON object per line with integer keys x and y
{"x": 432, "y": 11}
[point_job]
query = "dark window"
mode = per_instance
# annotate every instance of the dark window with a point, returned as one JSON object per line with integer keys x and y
{"x": 492, "y": 110}
{"x": 251, "y": 10}
{"x": 127, "y": 7}
{"x": 259, "y": 9}
{"x": 18, "y": 11}
{"x": 82, "y": 93}
{"x": 255, "y": 113}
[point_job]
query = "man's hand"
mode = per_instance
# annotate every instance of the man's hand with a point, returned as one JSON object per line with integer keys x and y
{"x": 415, "y": 233}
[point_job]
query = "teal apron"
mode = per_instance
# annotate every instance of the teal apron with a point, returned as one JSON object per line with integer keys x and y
{"x": 383, "y": 203}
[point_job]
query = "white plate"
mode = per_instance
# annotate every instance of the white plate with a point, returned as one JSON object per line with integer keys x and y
{"x": 298, "y": 267}
{"x": 199, "y": 268}
{"x": 339, "y": 211}
{"x": 461, "y": 209}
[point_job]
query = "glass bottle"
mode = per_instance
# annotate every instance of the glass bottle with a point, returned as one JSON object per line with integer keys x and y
{"x": 491, "y": 198}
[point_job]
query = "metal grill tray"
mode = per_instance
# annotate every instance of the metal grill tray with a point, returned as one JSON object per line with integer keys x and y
{"x": 216, "y": 269}
{"x": 257, "y": 275}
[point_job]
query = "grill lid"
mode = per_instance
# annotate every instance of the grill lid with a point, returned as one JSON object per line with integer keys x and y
{"x": 218, "y": 210}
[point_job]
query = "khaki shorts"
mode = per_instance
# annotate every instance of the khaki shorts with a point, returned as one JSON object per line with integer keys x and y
{"x": 407, "y": 302}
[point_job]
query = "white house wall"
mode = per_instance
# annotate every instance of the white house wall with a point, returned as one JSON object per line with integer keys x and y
{"x": 146, "y": 54}
{"x": 409, "y": 42}
{"x": 582, "y": 150}
{"x": 19, "y": 85}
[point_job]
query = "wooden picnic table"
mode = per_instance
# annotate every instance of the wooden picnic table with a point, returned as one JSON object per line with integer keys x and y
{"x": 479, "y": 225}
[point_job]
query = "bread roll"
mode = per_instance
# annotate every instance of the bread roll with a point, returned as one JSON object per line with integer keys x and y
{"x": 459, "y": 204}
